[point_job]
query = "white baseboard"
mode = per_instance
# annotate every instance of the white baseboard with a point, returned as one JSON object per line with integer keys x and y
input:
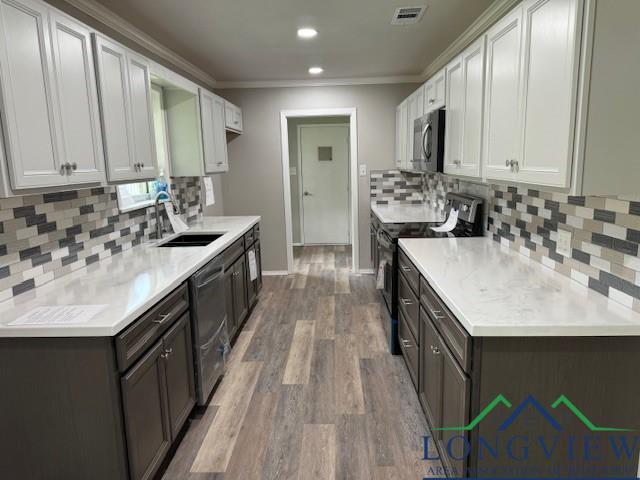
{"x": 298, "y": 244}
{"x": 365, "y": 271}
{"x": 273, "y": 273}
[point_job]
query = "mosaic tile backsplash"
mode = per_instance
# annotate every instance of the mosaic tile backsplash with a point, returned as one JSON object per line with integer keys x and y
{"x": 46, "y": 236}
{"x": 605, "y": 230}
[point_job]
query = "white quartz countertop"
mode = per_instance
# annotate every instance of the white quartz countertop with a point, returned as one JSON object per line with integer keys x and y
{"x": 497, "y": 292}
{"x": 407, "y": 213}
{"x": 128, "y": 283}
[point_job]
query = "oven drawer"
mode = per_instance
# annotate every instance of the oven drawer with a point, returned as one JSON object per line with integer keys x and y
{"x": 407, "y": 269}
{"x": 408, "y": 305}
{"x": 144, "y": 332}
{"x": 410, "y": 348}
{"x": 454, "y": 334}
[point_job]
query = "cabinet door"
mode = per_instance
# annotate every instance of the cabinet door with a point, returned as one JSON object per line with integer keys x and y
{"x": 113, "y": 88}
{"x": 549, "y": 54}
{"x": 78, "y": 99}
{"x": 237, "y": 119}
{"x": 259, "y": 265}
{"x": 240, "y": 302}
{"x": 30, "y": 115}
{"x": 213, "y": 133}
{"x": 228, "y": 115}
{"x": 252, "y": 292}
{"x": 453, "y": 131}
{"x": 473, "y": 73}
{"x": 399, "y": 136}
{"x": 144, "y": 145}
{"x": 429, "y": 96}
{"x": 455, "y": 409}
{"x": 502, "y": 111}
{"x": 181, "y": 393}
{"x": 430, "y": 381}
{"x": 144, "y": 401}
{"x": 439, "y": 86}
{"x": 229, "y": 301}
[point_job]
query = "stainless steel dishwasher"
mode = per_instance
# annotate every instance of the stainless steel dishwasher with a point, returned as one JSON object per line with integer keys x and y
{"x": 209, "y": 326}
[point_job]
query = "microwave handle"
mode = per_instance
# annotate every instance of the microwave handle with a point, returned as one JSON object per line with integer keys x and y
{"x": 427, "y": 154}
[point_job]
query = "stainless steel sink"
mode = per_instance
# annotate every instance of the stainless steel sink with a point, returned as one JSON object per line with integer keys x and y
{"x": 191, "y": 240}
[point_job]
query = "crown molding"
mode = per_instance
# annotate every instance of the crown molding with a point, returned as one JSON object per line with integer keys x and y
{"x": 490, "y": 16}
{"x": 105, "y": 16}
{"x": 328, "y": 82}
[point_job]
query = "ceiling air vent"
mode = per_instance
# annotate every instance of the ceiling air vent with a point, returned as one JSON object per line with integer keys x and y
{"x": 408, "y": 15}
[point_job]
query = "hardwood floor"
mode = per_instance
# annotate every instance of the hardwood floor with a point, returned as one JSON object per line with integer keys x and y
{"x": 310, "y": 391}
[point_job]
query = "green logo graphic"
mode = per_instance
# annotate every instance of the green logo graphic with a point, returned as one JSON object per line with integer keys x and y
{"x": 531, "y": 401}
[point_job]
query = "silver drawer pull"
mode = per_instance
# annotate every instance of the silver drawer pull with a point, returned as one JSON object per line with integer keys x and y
{"x": 406, "y": 343}
{"x": 162, "y": 319}
{"x": 405, "y": 269}
{"x": 406, "y": 301}
{"x": 435, "y": 350}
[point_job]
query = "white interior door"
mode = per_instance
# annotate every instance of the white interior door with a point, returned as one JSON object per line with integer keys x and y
{"x": 324, "y": 162}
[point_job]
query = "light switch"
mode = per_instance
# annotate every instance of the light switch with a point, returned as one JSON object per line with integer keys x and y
{"x": 363, "y": 170}
{"x": 564, "y": 243}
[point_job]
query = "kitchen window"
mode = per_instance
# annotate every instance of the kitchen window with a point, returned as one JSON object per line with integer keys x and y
{"x": 134, "y": 196}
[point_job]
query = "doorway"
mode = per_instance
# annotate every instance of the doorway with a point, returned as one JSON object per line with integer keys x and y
{"x": 319, "y": 159}
{"x": 322, "y": 175}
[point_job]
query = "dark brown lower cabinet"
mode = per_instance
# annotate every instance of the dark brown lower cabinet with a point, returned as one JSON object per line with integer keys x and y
{"x": 181, "y": 392}
{"x": 430, "y": 384}
{"x": 146, "y": 413}
{"x": 258, "y": 281}
{"x": 240, "y": 298}
{"x": 158, "y": 394}
{"x": 254, "y": 286}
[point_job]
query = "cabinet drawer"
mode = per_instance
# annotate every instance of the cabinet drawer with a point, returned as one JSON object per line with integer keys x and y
{"x": 454, "y": 334}
{"x": 233, "y": 252}
{"x": 136, "y": 339}
{"x": 409, "y": 271}
{"x": 409, "y": 348}
{"x": 249, "y": 238}
{"x": 408, "y": 304}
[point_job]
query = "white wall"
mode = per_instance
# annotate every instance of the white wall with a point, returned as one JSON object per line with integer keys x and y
{"x": 253, "y": 185}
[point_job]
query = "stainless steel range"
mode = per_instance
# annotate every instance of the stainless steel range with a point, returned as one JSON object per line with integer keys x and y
{"x": 469, "y": 224}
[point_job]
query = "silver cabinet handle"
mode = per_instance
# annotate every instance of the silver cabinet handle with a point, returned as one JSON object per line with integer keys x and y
{"x": 507, "y": 163}
{"x": 456, "y": 162}
{"x": 405, "y": 269}
{"x": 74, "y": 166}
{"x": 142, "y": 165}
{"x": 406, "y": 343}
{"x": 406, "y": 301}
{"x": 307, "y": 194}
{"x": 169, "y": 351}
{"x": 431, "y": 101}
{"x": 435, "y": 350}
{"x": 67, "y": 166}
{"x": 162, "y": 319}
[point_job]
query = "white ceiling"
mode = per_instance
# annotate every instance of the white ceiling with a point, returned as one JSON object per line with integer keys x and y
{"x": 255, "y": 40}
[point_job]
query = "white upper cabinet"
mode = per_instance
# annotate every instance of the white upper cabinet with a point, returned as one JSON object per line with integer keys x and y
{"x": 502, "y": 119}
{"x": 473, "y": 63}
{"x": 414, "y": 111}
{"x": 531, "y": 93}
{"x": 549, "y": 72}
{"x": 144, "y": 146}
{"x": 465, "y": 100}
{"x": 212, "y": 110}
{"x": 232, "y": 117}
{"x": 80, "y": 116}
{"x": 401, "y": 134}
{"x": 454, "y": 116}
{"x": 434, "y": 92}
{"x": 127, "y": 118}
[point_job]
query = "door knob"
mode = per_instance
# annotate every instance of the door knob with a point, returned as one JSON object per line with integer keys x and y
{"x": 307, "y": 194}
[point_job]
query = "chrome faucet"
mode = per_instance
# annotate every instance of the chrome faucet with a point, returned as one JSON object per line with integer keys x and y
{"x": 156, "y": 205}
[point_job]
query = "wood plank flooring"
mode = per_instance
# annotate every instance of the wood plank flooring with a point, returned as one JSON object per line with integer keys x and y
{"x": 310, "y": 391}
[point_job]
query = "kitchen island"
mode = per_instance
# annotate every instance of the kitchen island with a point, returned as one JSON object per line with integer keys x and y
{"x": 521, "y": 372}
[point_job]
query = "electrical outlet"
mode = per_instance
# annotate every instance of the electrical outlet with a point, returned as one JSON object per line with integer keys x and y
{"x": 564, "y": 243}
{"x": 363, "y": 170}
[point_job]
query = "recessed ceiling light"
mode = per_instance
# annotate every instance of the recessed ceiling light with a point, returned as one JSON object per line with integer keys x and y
{"x": 307, "y": 32}
{"x": 316, "y": 70}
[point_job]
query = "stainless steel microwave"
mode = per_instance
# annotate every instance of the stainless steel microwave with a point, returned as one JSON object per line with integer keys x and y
{"x": 428, "y": 142}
